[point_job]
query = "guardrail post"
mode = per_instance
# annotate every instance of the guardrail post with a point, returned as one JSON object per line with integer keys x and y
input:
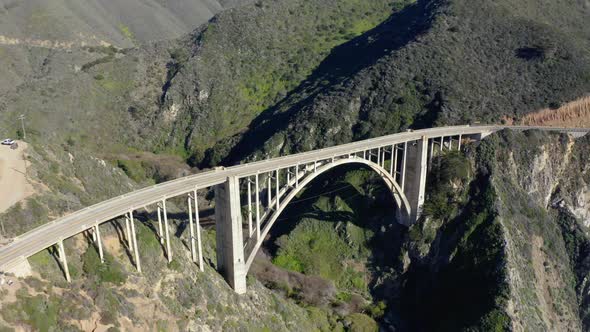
{"x": 228, "y": 223}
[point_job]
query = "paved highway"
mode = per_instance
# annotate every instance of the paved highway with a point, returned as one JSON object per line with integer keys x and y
{"x": 79, "y": 221}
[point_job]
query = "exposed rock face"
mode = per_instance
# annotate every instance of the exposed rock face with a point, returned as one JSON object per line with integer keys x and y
{"x": 533, "y": 174}
{"x": 516, "y": 226}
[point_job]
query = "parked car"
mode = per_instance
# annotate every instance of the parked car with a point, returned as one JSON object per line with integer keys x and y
{"x": 7, "y": 141}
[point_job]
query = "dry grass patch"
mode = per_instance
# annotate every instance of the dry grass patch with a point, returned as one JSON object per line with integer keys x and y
{"x": 573, "y": 114}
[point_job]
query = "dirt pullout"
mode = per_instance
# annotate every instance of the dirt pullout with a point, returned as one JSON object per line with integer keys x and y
{"x": 14, "y": 185}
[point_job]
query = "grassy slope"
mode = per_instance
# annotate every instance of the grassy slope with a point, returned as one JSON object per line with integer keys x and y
{"x": 247, "y": 59}
{"x": 463, "y": 61}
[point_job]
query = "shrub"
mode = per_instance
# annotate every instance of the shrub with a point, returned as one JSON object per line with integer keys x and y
{"x": 362, "y": 323}
{"x": 109, "y": 271}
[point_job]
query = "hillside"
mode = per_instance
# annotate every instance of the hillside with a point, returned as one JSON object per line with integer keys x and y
{"x": 434, "y": 63}
{"x": 503, "y": 244}
{"x": 100, "y": 22}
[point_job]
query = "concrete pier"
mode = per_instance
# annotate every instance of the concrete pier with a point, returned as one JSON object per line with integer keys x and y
{"x": 417, "y": 159}
{"x": 64, "y": 260}
{"x": 230, "y": 245}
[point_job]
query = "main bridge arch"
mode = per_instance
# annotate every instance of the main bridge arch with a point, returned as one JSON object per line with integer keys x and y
{"x": 254, "y": 240}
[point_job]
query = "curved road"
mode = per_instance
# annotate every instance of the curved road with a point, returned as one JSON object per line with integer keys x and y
{"x": 49, "y": 234}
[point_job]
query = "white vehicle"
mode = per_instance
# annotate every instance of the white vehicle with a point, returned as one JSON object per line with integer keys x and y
{"x": 8, "y": 141}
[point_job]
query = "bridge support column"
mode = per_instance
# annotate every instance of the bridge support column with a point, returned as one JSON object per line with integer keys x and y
{"x": 192, "y": 228}
{"x": 257, "y": 210}
{"x": 134, "y": 239}
{"x": 160, "y": 231}
{"x": 64, "y": 260}
{"x": 128, "y": 233}
{"x": 98, "y": 243}
{"x": 167, "y": 231}
{"x": 417, "y": 159}
{"x": 230, "y": 246}
{"x": 198, "y": 226}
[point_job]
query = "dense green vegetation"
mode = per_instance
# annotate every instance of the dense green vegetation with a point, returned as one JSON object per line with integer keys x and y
{"x": 107, "y": 271}
{"x": 433, "y": 63}
{"x": 234, "y": 76}
{"x": 340, "y": 237}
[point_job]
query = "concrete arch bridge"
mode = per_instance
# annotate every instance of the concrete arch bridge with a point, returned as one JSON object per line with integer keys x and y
{"x": 250, "y": 197}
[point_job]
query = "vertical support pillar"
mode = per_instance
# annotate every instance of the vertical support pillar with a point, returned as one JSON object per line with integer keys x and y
{"x": 191, "y": 228}
{"x": 98, "y": 243}
{"x": 392, "y": 159}
{"x": 394, "y": 174}
{"x": 257, "y": 210}
{"x": 230, "y": 247}
{"x": 315, "y": 166}
{"x": 450, "y": 143}
{"x": 160, "y": 231}
{"x": 64, "y": 260}
{"x": 460, "y": 138}
{"x": 297, "y": 176}
{"x": 167, "y": 231}
{"x": 417, "y": 157}
{"x": 134, "y": 238}
{"x": 128, "y": 233}
{"x": 442, "y": 143}
{"x": 379, "y": 156}
{"x": 269, "y": 190}
{"x": 404, "y": 162}
{"x": 277, "y": 188}
{"x": 249, "y": 207}
{"x": 431, "y": 152}
{"x": 198, "y": 225}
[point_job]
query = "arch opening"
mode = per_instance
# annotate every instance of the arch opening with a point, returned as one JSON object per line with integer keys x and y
{"x": 347, "y": 213}
{"x": 399, "y": 199}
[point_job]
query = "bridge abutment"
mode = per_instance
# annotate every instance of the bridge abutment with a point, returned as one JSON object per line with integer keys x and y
{"x": 230, "y": 243}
